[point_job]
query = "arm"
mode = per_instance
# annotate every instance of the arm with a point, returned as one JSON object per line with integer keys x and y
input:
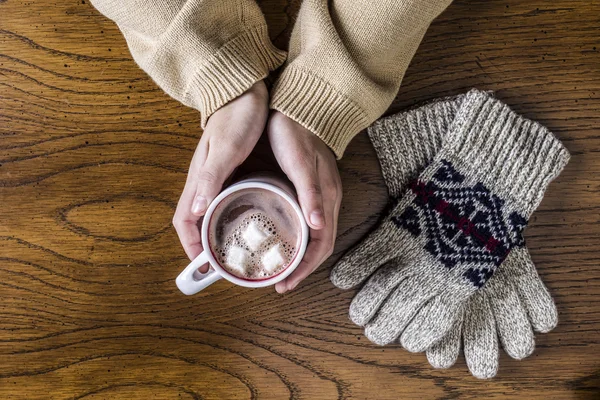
{"x": 203, "y": 53}
{"x": 345, "y": 64}
{"x": 346, "y": 61}
{"x": 210, "y": 55}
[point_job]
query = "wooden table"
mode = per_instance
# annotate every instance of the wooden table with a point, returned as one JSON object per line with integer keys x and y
{"x": 94, "y": 157}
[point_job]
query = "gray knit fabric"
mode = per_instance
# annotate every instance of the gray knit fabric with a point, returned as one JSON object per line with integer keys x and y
{"x": 489, "y": 154}
{"x": 519, "y": 304}
{"x": 405, "y": 143}
{"x": 480, "y": 339}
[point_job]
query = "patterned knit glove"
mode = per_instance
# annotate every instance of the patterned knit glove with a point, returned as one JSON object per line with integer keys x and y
{"x": 454, "y": 227}
{"x": 514, "y": 302}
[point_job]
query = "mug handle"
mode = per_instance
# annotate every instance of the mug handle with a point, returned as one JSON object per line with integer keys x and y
{"x": 191, "y": 281}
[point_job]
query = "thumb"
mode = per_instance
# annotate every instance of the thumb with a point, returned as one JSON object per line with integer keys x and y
{"x": 310, "y": 197}
{"x": 365, "y": 258}
{"x": 210, "y": 178}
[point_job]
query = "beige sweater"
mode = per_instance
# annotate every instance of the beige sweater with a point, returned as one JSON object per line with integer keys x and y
{"x": 345, "y": 63}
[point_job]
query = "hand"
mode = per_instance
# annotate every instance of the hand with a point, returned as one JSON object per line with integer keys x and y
{"x": 311, "y": 166}
{"x": 230, "y": 135}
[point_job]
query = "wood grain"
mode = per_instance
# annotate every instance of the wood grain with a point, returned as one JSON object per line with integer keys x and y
{"x": 94, "y": 157}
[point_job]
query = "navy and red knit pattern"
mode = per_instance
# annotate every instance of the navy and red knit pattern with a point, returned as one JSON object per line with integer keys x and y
{"x": 463, "y": 224}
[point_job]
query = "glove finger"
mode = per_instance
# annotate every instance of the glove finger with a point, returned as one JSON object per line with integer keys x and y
{"x": 432, "y": 322}
{"x": 480, "y": 341}
{"x": 444, "y": 353}
{"x": 368, "y": 300}
{"x": 514, "y": 329}
{"x": 397, "y": 311}
{"x": 531, "y": 290}
{"x": 360, "y": 262}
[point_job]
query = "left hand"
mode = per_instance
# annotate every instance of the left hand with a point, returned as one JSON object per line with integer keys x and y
{"x": 230, "y": 135}
{"x": 310, "y": 165}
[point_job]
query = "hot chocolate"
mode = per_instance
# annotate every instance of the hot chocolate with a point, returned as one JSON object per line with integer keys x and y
{"x": 254, "y": 233}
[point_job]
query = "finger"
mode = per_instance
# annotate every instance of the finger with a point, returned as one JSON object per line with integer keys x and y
{"x": 322, "y": 241}
{"x": 360, "y": 262}
{"x": 368, "y": 300}
{"x": 186, "y": 224}
{"x": 184, "y": 220}
{"x": 533, "y": 294}
{"x": 397, "y": 311}
{"x": 318, "y": 250}
{"x": 219, "y": 165}
{"x": 189, "y": 235}
{"x": 320, "y": 246}
{"x": 310, "y": 193}
{"x": 480, "y": 341}
{"x": 514, "y": 329}
{"x": 432, "y": 322}
{"x": 444, "y": 353}
{"x": 217, "y": 168}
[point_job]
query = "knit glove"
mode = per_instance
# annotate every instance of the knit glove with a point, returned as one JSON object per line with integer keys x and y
{"x": 454, "y": 227}
{"x": 515, "y": 299}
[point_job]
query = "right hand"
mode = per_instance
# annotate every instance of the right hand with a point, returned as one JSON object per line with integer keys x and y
{"x": 311, "y": 166}
{"x": 230, "y": 135}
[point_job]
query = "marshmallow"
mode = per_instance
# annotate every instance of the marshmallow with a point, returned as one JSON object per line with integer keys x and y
{"x": 254, "y": 236}
{"x": 237, "y": 258}
{"x": 272, "y": 259}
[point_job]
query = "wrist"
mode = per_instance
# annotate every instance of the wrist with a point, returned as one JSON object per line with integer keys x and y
{"x": 259, "y": 92}
{"x": 256, "y": 99}
{"x": 279, "y": 120}
{"x": 231, "y": 71}
{"x": 332, "y": 117}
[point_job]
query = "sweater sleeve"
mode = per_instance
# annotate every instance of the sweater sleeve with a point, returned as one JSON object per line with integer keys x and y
{"x": 346, "y": 61}
{"x": 203, "y": 53}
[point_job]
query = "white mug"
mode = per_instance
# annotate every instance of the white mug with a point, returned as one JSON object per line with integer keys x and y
{"x": 191, "y": 281}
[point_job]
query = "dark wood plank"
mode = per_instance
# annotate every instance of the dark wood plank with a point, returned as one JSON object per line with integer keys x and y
{"x": 94, "y": 157}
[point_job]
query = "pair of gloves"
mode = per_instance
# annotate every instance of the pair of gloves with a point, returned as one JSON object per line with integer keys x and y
{"x": 448, "y": 264}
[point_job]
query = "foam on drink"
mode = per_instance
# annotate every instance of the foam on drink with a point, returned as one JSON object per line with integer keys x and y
{"x": 254, "y": 233}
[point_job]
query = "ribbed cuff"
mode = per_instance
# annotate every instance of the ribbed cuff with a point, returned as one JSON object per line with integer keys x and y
{"x": 319, "y": 107}
{"x": 405, "y": 143}
{"x": 515, "y": 156}
{"x": 239, "y": 64}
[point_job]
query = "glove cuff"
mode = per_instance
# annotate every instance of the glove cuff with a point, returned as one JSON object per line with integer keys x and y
{"x": 514, "y": 156}
{"x": 408, "y": 141}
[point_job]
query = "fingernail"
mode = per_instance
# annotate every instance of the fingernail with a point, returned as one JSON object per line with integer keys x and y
{"x": 316, "y": 218}
{"x": 199, "y": 205}
{"x": 279, "y": 289}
